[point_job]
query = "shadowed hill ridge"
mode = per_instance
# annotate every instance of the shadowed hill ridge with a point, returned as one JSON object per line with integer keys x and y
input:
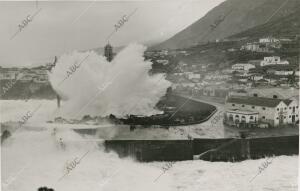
{"x": 229, "y": 18}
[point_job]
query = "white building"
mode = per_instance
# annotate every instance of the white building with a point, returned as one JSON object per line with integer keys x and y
{"x": 256, "y": 47}
{"x": 283, "y": 72}
{"x": 256, "y": 77}
{"x": 275, "y": 112}
{"x": 178, "y": 74}
{"x": 242, "y": 67}
{"x": 216, "y": 76}
{"x": 293, "y": 110}
{"x": 231, "y": 50}
{"x": 193, "y": 76}
{"x": 187, "y": 84}
{"x": 273, "y": 60}
{"x": 250, "y": 47}
{"x": 163, "y": 62}
{"x": 242, "y": 116}
{"x": 268, "y": 40}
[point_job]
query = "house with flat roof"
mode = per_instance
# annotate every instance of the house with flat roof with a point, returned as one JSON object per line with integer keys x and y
{"x": 273, "y": 60}
{"x": 242, "y": 67}
{"x": 268, "y": 40}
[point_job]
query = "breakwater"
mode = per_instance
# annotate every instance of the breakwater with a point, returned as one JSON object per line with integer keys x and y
{"x": 177, "y": 111}
{"x": 226, "y": 149}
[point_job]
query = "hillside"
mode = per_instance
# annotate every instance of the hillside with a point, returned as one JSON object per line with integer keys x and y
{"x": 288, "y": 26}
{"x": 229, "y": 18}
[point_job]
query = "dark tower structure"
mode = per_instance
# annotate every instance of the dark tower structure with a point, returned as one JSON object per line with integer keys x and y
{"x": 58, "y": 100}
{"x": 108, "y": 52}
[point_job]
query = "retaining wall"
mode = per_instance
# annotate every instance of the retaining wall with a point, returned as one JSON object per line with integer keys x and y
{"x": 230, "y": 149}
{"x": 152, "y": 150}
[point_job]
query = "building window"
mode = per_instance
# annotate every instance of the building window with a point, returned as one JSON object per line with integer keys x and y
{"x": 243, "y": 119}
{"x": 264, "y": 108}
{"x": 296, "y": 115}
{"x": 230, "y": 117}
{"x": 251, "y": 117}
{"x": 277, "y": 109}
{"x": 263, "y": 117}
{"x": 290, "y": 107}
{"x": 285, "y": 108}
{"x": 274, "y": 96}
{"x": 289, "y": 116}
{"x": 253, "y": 107}
{"x": 277, "y": 118}
{"x": 255, "y": 95}
{"x": 296, "y": 106}
{"x": 284, "y": 117}
{"x": 233, "y": 104}
{"x": 243, "y": 105}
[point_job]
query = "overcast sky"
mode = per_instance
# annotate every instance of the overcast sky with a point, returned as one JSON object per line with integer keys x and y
{"x": 65, "y": 26}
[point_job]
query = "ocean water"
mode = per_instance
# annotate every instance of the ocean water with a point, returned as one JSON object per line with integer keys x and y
{"x": 34, "y": 158}
{"x": 36, "y": 155}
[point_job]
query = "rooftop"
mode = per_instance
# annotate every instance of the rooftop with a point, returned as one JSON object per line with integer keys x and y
{"x": 284, "y": 92}
{"x": 258, "y": 101}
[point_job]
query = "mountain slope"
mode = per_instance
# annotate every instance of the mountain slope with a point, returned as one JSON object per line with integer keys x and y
{"x": 286, "y": 26}
{"x": 230, "y": 17}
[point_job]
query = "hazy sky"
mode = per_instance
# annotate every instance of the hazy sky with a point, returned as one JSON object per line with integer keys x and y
{"x": 65, "y": 26}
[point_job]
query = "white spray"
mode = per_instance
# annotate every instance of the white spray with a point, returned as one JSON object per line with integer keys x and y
{"x": 89, "y": 84}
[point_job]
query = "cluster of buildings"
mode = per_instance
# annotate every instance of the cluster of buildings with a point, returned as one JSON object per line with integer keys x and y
{"x": 252, "y": 107}
{"x": 247, "y": 106}
{"x": 267, "y": 61}
{"x": 162, "y": 53}
{"x": 37, "y": 74}
{"x": 266, "y": 44}
{"x": 269, "y": 71}
{"x": 194, "y": 76}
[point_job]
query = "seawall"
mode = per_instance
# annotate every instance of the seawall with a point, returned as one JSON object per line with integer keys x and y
{"x": 227, "y": 149}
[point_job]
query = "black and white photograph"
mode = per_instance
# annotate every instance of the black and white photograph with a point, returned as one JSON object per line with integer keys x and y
{"x": 149, "y": 95}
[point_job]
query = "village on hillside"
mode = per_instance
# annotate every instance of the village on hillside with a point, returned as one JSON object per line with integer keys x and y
{"x": 261, "y": 92}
